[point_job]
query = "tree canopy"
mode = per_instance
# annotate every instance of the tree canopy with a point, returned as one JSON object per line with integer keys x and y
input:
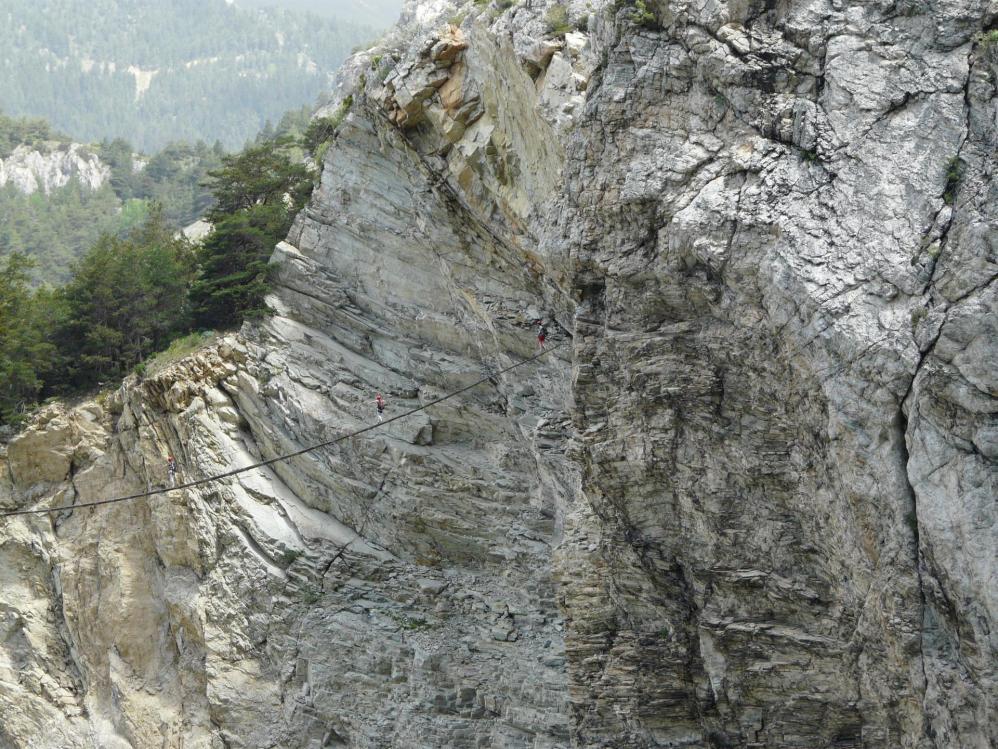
{"x": 155, "y": 72}
{"x": 126, "y": 300}
{"x": 132, "y": 293}
{"x": 26, "y": 355}
{"x": 260, "y": 175}
{"x": 57, "y": 228}
{"x": 257, "y": 194}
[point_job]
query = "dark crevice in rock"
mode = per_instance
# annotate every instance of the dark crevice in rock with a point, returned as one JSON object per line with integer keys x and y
{"x": 911, "y": 518}
{"x": 942, "y": 238}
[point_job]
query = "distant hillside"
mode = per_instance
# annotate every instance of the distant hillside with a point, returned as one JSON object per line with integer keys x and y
{"x": 58, "y": 196}
{"x": 33, "y": 158}
{"x": 153, "y": 72}
{"x": 380, "y": 13}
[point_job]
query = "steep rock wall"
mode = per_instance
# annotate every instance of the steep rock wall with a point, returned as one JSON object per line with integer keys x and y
{"x": 30, "y": 170}
{"x": 748, "y": 502}
{"x": 761, "y": 229}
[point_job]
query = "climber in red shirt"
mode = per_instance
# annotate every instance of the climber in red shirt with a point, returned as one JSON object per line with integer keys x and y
{"x": 542, "y": 335}
{"x": 380, "y": 403}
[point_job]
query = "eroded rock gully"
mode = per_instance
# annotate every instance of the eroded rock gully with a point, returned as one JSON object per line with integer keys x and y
{"x": 749, "y": 503}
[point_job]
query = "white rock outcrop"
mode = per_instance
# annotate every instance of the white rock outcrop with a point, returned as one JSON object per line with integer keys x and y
{"x": 748, "y": 502}
{"x": 29, "y": 169}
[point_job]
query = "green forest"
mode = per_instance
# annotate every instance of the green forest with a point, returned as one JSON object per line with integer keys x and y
{"x": 221, "y": 71}
{"x": 129, "y": 296}
{"x": 55, "y": 229}
{"x": 33, "y": 132}
{"x": 380, "y": 13}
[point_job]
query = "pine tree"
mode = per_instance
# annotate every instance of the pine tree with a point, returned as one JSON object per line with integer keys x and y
{"x": 262, "y": 174}
{"x": 126, "y": 300}
{"x": 233, "y": 264}
{"x": 25, "y": 352}
{"x": 257, "y": 194}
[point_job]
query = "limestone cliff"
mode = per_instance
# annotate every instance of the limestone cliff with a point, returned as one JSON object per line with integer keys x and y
{"x": 749, "y": 502}
{"x": 31, "y": 169}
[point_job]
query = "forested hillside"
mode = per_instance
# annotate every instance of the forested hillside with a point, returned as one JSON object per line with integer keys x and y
{"x": 137, "y": 288}
{"x": 156, "y": 72}
{"x": 54, "y": 228}
{"x": 377, "y": 12}
{"x": 24, "y": 131}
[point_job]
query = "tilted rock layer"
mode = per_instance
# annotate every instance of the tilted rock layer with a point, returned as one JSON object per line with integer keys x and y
{"x": 749, "y": 500}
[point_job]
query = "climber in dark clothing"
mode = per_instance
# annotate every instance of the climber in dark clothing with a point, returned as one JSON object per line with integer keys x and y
{"x": 171, "y": 471}
{"x": 380, "y": 403}
{"x": 542, "y": 335}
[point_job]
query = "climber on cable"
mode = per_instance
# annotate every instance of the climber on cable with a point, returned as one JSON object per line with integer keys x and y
{"x": 171, "y": 471}
{"x": 380, "y": 403}
{"x": 542, "y": 334}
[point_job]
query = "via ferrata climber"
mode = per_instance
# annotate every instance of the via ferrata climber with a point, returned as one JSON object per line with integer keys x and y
{"x": 542, "y": 334}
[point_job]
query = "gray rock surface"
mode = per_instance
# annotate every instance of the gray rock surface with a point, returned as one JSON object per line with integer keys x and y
{"x": 749, "y": 502}
{"x": 30, "y": 170}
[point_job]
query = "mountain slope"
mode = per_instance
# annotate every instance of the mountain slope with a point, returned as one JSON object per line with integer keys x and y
{"x": 58, "y": 196}
{"x": 154, "y": 72}
{"x": 377, "y": 13}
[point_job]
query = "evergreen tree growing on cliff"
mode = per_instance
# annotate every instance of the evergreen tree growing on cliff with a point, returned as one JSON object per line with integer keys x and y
{"x": 127, "y": 299}
{"x": 233, "y": 263}
{"x": 25, "y": 352}
{"x": 257, "y": 194}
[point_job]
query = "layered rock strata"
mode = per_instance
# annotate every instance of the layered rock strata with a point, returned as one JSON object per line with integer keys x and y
{"x": 748, "y": 501}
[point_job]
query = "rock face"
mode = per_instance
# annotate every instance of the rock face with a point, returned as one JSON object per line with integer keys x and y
{"x": 30, "y": 170}
{"x": 749, "y": 500}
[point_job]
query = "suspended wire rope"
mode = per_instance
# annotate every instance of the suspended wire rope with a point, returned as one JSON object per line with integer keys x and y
{"x": 279, "y": 458}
